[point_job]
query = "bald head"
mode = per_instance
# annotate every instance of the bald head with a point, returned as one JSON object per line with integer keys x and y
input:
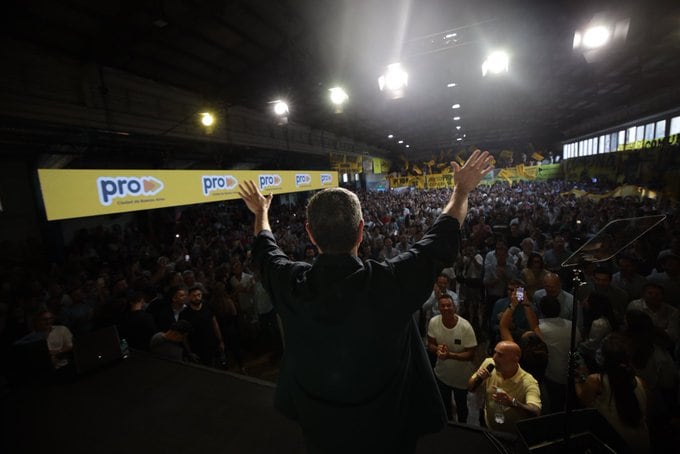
{"x": 509, "y": 349}
{"x": 552, "y": 284}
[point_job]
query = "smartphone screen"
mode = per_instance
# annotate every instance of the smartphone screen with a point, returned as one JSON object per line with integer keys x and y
{"x": 520, "y": 293}
{"x": 186, "y": 258}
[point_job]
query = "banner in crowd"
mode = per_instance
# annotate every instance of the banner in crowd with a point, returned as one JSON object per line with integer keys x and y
{"x": 346, "y": 163}
{"x": 71, "y": 193}
{"x": 627, "y": 190}
{"x": 381, "y": 165}
{"x": 520, "y": 172}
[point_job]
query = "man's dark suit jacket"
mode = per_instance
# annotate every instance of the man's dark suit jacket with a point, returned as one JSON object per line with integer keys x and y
{"x": 354, "y": 372}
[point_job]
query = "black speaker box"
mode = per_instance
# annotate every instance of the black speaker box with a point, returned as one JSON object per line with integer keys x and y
{"x": 584, "y": 431}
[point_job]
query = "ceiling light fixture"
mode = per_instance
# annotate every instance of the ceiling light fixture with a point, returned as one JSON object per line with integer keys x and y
{"x": 455, "y": 106}
{"x": 456, "y": 118}
{"x": 207, "y": 119}
{"x": 394, "y": 80}
{"x": 338, "y": 95}
{"x": 496, "y": 63}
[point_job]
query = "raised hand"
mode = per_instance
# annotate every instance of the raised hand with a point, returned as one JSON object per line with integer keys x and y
{"x": 255, "y": 201}
{"x": 466, "y": 178}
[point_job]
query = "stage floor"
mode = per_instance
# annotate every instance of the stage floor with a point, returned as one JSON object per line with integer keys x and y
{"x": 145, "y": 404}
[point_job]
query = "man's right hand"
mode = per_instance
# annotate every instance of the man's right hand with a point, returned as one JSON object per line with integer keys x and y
{"x": 467, "y": 177}
{"x": 255, "y": 201}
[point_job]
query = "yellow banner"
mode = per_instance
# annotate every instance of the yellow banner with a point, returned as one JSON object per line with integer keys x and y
{"x": 342, "y": 162}
{"x": 77, "y": 193}
{"x": 440, "y": 181}
{"x": 406, "y": 182}
{"x": 381, "y": 166}
{"x": 621, "y": 191}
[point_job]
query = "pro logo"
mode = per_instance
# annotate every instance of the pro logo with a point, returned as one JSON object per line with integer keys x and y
{"x": 326, "y": 178}
{"x": 217, "y": 182}
{"x": 302, "y": 179}
{"x": 114, "y": 187}
{"x": 269, "y": 181}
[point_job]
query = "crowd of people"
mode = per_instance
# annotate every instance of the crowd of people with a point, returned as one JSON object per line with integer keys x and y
{"x": 184, "y": 287}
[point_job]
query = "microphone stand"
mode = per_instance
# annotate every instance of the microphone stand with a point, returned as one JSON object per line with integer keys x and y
{"x": 578, "y": 280}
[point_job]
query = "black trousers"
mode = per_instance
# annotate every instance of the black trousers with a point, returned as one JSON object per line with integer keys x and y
{"x": 460, "y": 396}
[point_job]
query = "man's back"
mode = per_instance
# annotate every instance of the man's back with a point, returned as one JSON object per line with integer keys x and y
{"x": 354, "y": 360}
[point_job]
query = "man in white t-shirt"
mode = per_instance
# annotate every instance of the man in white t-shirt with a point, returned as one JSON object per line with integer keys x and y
{"x": 453, "y": 340}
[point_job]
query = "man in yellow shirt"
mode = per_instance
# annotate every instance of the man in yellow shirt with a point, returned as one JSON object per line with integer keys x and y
{"x": 508, "y": 388}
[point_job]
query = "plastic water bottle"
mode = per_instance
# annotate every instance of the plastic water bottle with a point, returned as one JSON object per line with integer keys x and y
{"x": 124, "y": 348}
{"x": 498, "y": 410}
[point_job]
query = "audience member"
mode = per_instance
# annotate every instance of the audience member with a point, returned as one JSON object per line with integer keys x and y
{"x": 136, "y": 325}
{"x": 533, "y": 274}
{"x": 452, "y": 339}
{"x": 507, "y": 385}
{"x": 618, "y": 394}
{"x": 205, "y": 338}
{"x": 172, "y": 344}
{"x": 627, "y": 278}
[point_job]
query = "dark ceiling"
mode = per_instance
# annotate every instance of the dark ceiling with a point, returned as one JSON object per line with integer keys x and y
{"x": 250, "y": 52}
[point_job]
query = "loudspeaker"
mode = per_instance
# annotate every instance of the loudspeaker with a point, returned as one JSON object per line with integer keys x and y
{"x": 588, "y": 431}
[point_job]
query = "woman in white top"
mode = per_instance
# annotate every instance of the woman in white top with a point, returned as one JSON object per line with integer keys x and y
{"x": 618, "y": 394}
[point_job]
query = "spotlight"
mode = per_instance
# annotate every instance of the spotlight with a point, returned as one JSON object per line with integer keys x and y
{"x": 280, "y": 107}
{"x": 390, "y": 136}
{"x": 280, "y": 111}
{"x": 497, "y": 62}
{"x": 338, "y": 98}
{"x": 456, "y": 118}
{"x": 207, "y": 119}
{"x": 455, "y": 106}
{"x": 601, "y": 32}
{"x": 338, "y": 95}
{"x": 394, "y": 80}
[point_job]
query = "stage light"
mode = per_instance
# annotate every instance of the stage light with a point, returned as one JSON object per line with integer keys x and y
{"x": 603, "y": 31}
{"x": 451, "y": 85}
{"x": 280, "y": 107}
{"x": 338, "y": 96}
{"x": 394, "y": 80}
{"x": 497, "y": 62}
{"x": 596, "y": 37}
{"x": 207, "y": 119}
{"x": 408, "y": 146}
{"x": 458, "y": 128}
{"x": 390, "y": 136}
{"x": 456, "y": 118}
{"x": 455, "y": 106}
{"x": 401, "y": 141}
{"x": 459, "y": 139}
